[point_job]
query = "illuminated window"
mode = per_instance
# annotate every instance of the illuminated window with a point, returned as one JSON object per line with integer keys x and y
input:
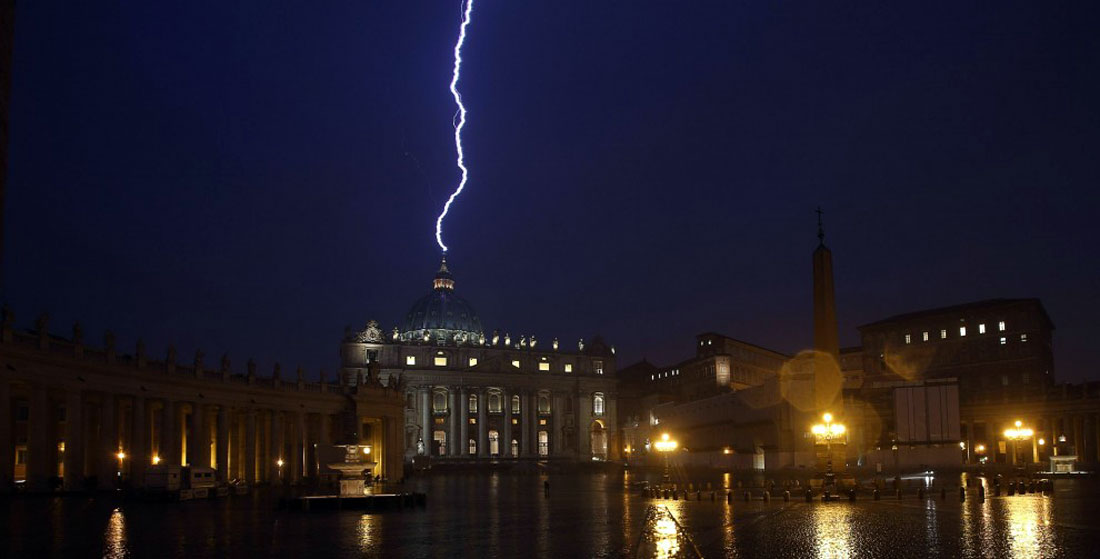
{"x": 981, "y": 328}
{"x": 515, "y": 447}
{"x": 439, "y": 401}
{"x": 1004, "y": 340}
{"x": 515, "y": 405}
{"x": 440, "y": 360}
{"x": 1023, "y": 337}
{"x": 473, "y": 447}
{"x": 908, "y": 339}
{"x": 1001, "y": 326}
{"x": 544, "y": 443}
{"x": 440, "y": 439}
{"x": 924, "y": 336}
{"x": 943, "y": 334}
{"x": 569, "y": 367}
{"x": 652, "y": 377}
{"x": 700, "y": 342}
{"x": 473, "y": 421}
{"x": 544, "y": 366}
{"x": 494, "y": 402}
{"x": 962, "y": 331}
{"x": 598, "y": 367}
{"x": 515, "y": 363}
{"x": 597, "y": 403}
{"x": 515, "y": 421}
{"x": 410, "y": 360}
{"x": 708, "y": 342}
{"x": 542, "y": 422}
{"x": 473, "y": 361}
{"x": 472, "y": 402}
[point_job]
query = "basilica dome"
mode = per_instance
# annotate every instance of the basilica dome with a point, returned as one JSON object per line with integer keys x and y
{"x": 441, "y": 315}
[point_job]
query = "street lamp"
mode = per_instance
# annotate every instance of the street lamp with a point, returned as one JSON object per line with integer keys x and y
{"x": 1016, "y": 434}
{"x": 665, "y": 446}
{"x": 828, "y": 431}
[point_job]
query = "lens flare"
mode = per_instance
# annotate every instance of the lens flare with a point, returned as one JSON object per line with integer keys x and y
{"x": 459, "y": 121}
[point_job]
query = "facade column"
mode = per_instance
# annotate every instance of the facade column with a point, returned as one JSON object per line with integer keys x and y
{"x": 138, "y": 452}
{"x": 464, "y": 421}
{"x": 483, "y": 423}
{"x": 533, "y": 427}
{"x": 557, "y": 411}
{"x": 108, "y": 443}
{"x": 506, "y": 432}
{"x": 222, "y": 454}
{"x": 525, "y": 423}
{"x": 426, "y": 435}
{"x": 194, "y": 426}
{"x": 250, "y": 448}
{"x": 39, "y": 469}
{"x": 74, "y": 440}
{"x": 452, "y": 415}
{"x": 7, "y": 442}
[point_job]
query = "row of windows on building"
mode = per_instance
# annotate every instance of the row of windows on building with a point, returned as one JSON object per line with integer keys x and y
{"x": 665, "y": 374}
{"x": 926, "y": 336}
{"x": 439, "y": 403}
{"x": 441, "y": 360}
{"x": 440, "y": 439}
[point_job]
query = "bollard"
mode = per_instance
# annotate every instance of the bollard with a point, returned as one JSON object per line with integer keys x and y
{"x": 876, "y": 495}
{"x": 920, "y": 493}
{"x": 666, "y": 493}
{"x": 675, "y": 494}
{"x": 996, "y": 491}
{"x": 809, "y": 495}
{"x": 699, "y": 495}
{"x": 981, "y": 492}
{"x": 962, "y": 493}
{"x": 786, "y": 496}
{"x": 852, "y": 495}
{"x": 767, "y": 496}
{"x": 1011, "y": 488}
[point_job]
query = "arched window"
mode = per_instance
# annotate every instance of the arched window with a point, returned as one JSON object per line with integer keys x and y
{"x": 439, "y": 402}
{"x": 494, "y": 442}
{"x": 597, "y": 403}
{"x": 473, "y": 403}
{"x": 473, "y": 447}
{"x": 494, "y": 402}
{"x": 515, "y": 447}
{"x": 544, "y": 403}
{"x": 515, "y": 405}
{"x": 410, "y": 400}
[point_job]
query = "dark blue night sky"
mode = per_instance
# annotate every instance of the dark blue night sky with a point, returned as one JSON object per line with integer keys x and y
{"x": 252, "y": 176}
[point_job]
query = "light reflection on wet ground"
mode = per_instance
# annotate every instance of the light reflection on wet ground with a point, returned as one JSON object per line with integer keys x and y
{"x": 506, "y": 515}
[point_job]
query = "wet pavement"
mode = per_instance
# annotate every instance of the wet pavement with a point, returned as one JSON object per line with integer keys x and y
{"x": 586, "y": 515}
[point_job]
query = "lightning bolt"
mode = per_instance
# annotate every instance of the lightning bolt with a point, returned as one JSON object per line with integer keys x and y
{"x": 459, "y": 121}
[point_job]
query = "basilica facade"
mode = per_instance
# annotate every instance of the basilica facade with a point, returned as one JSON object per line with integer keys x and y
{"x": 473, "y": 396}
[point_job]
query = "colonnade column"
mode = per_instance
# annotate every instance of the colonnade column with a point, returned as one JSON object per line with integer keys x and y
{"x": 464, "y": 421}
{"x": 222, "y": 454}
{"x": 452, "y": 416}
{"x": 250, "y": 449}
{"x": 483, "y": 423}
{"x": 267, "y": 470}
{"x": 138, "y": 454}
{"x": 7, "y": 442}
{"x": 38, "y": 466}
{"x": 297, "y": 447}
{"x": 506, "y": 439}
{"x": 169, "y": 434}
{"x": 278, "y": 447}
{"x": 426, "y": 418}
{"x": 108, "y": 442}
{"x": 74, "y": 440}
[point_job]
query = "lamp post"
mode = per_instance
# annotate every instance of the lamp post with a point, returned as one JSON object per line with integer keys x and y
{"x": 665, "y": 446}
{"x": 828, "y": 432}
{"x": 1016, "y": 434}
